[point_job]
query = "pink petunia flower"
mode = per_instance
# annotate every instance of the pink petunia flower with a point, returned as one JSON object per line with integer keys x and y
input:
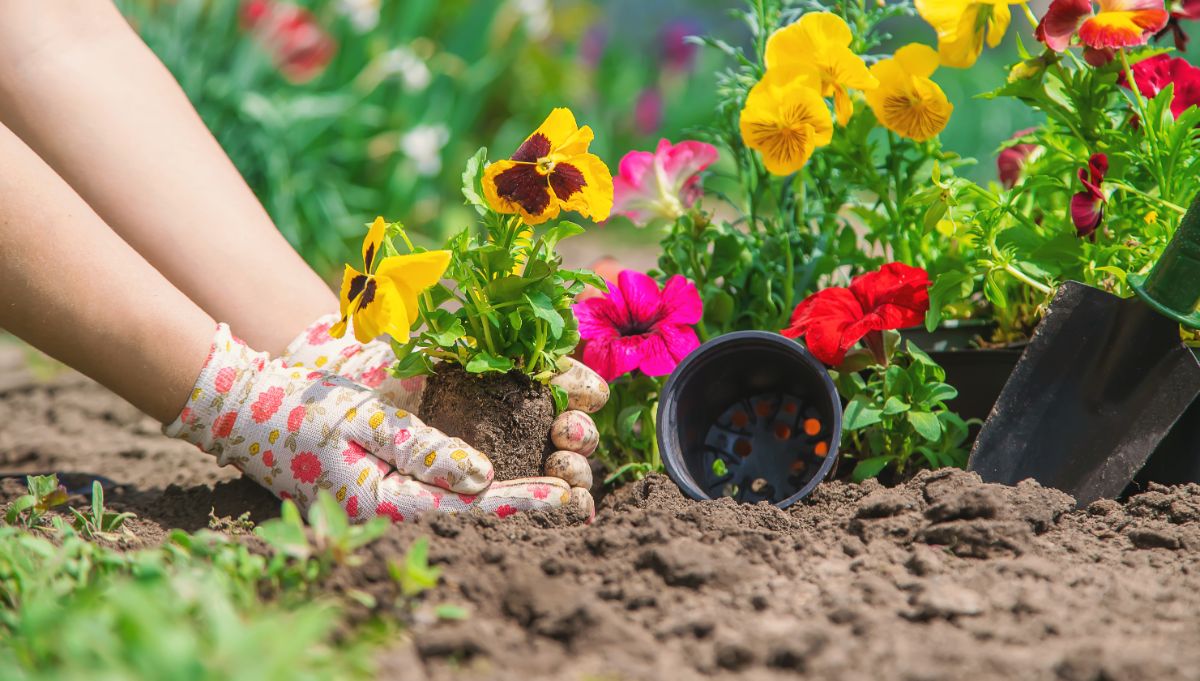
{"x": 637, "y": 326}
{"x": 1087, "y": 206}
{"x": 664, "y": 183}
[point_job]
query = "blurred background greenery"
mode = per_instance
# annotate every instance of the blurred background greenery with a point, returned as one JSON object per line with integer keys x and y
{"x": 338, "y": 110}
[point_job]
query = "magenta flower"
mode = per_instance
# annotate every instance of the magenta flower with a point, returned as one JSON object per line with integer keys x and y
{"x": 1087, "y": 206}
{"x": 648, "y": 111}
{"x": 679, "y": 53}
{"x": 1010, "y": 163}
{"x": 662, "y": 184}
{"x": 637, "y": 326}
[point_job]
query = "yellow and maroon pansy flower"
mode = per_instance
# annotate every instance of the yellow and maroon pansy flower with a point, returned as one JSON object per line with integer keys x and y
{"x": 382, "y": 299}
{"x": 551, "y": 171}
{"x": 1119, "y": 23}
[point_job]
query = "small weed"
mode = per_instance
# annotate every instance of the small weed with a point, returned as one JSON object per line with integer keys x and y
{"x": 99, "y": 521}
{"x": 44, "y": 493}
{"x": 333, "y": 539}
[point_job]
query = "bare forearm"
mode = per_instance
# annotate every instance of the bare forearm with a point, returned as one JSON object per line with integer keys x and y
{"x": 85, "y": 93}
{"x": 70, "y": 287}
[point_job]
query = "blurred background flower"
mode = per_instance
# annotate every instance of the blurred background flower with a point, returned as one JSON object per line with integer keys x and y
{"x": 338, "y": 110}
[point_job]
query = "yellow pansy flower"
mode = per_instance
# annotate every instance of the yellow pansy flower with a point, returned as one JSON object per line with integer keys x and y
{"x": 907, "y": 102}
{"x": 382, "y": 299}
{"x": 551, "y": 171}
{"x": 963, "y": 26}
{"x": 785, "y": 119}
{"x": 820, "y": 41}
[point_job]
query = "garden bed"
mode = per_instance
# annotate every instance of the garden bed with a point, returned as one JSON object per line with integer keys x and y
{"x": 942, "y": 577}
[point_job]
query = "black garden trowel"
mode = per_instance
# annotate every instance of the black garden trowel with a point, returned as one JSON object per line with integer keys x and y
{"x": 1102, "y": 381}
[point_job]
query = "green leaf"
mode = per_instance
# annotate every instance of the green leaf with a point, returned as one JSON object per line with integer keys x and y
{"x": 470, "y": 181}
{"x": 484, "y": 362}
{"x": 894, "y": 405}
{"x": 926, "y": 424}
{"x": 718, "y": 308}
{"x": 993, "y": 290}
{"x": 543, "y": 309}
{"x": 870, "y": 467}
{"x": 860, "y": 413}
{"x": 286, "y": 533}
{"x": 447, "y": 336}
{"x": 627, "y": 421}
{"x": 896, "y": 381}
{"x": 949, "y": 286}
{"x": 563, "y": 230}
{"x": 561, "y": 398}
{"x": 933, "y": 393}
{"x": 727, "y": 252}
{"x": 450, "y": 612}
{"x": 935, "y": 212}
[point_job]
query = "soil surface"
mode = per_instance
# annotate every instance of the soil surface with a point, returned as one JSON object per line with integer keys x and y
{"x": 508, "y": 416}
{"x": 942, "y": 577}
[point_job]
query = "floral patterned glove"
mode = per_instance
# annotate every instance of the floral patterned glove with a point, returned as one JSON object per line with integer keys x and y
{"x": 573, "y": 432}
{"x": 296, "y": 430}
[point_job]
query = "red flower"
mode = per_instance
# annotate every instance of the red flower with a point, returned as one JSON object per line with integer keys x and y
{"x": 505, "y": 511}
{"x": 637, "y": 326}
{"x": 389, "y": 509}
{"x": 269, "y": 459}
{"x": 1011, "y": 160}
{"x": 299, "y": 46}
{"x": 1087, "y": 206}
{"x": 352, "y": 507}
{"x": 224, "y": 379}
{"x": 832, "y": 320}
{"x": 306, "y": 467}
{"x": 354, "y": 453}
{"x": 1153, "y": 75}
{"x": 295, "y": 419}
{"x": 223, "y": 426}
{"x": 267, "y": 404}
{"x": 1119, "y": 23}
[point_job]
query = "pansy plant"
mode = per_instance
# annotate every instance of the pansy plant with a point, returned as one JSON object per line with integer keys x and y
{"x": 509, "y": 296}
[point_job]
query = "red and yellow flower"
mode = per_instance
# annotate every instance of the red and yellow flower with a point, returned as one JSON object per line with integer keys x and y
{"x": 382, "y": 299}
{"x": 551, "y": 171}
{"x": 1119, "y": 23}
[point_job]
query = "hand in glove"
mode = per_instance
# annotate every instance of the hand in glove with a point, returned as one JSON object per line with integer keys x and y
{"x": 295, "y": 430}
{"x": 573, "y": 432}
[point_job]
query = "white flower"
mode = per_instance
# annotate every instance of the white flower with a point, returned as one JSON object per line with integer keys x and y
{"x": 363, "y": 14}
{"x": 403, "y": 62}
{"x": 536, "y": 15}
{"x": 423, "y": 144}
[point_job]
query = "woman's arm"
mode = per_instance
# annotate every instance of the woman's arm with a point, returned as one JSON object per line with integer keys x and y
{"x": 83, "y": 91}
{"x": 70, "y": 287}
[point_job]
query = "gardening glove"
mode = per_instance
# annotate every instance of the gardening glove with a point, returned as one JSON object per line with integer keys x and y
{"x": 573, "y": 432}
{"x": 296, "y": 431}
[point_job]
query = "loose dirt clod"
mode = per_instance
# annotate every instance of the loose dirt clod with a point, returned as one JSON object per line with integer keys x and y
{"x": 506, "y": 416}
{"x": 942, "y": 577}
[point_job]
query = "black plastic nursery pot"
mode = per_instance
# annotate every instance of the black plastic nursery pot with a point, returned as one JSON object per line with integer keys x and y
{"x": 749, "y": 415}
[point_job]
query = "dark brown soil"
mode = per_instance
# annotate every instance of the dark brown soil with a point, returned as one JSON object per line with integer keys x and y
{"x": 506, "y": 416}
{"x": 942, "y": 577}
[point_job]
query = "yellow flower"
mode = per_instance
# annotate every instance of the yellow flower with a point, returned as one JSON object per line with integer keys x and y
{"x": 785, "y": 119}
{"x": 551, "y": 171}
{"x": 907, "y": 102}
{"x": 820, "y": 41}
{"x": 382, "y": 299}
{"x": 963, "y": 25}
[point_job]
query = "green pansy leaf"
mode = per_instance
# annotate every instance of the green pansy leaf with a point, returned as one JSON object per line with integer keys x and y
{"x": 484, "y": 362}
{"x": 543, "y": 308}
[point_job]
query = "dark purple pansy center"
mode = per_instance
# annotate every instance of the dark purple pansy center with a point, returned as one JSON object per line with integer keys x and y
{"x": 530, "y": 183}
{"x": 364, "y": 285}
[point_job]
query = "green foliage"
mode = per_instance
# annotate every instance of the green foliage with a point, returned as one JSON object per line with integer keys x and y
{"x": 510, "y": 300}
{"x": 628, "y": 443}
{"x": 898, "y": 410}
{"x": 44, "y": 493}
{"x": 330, "y": 539}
